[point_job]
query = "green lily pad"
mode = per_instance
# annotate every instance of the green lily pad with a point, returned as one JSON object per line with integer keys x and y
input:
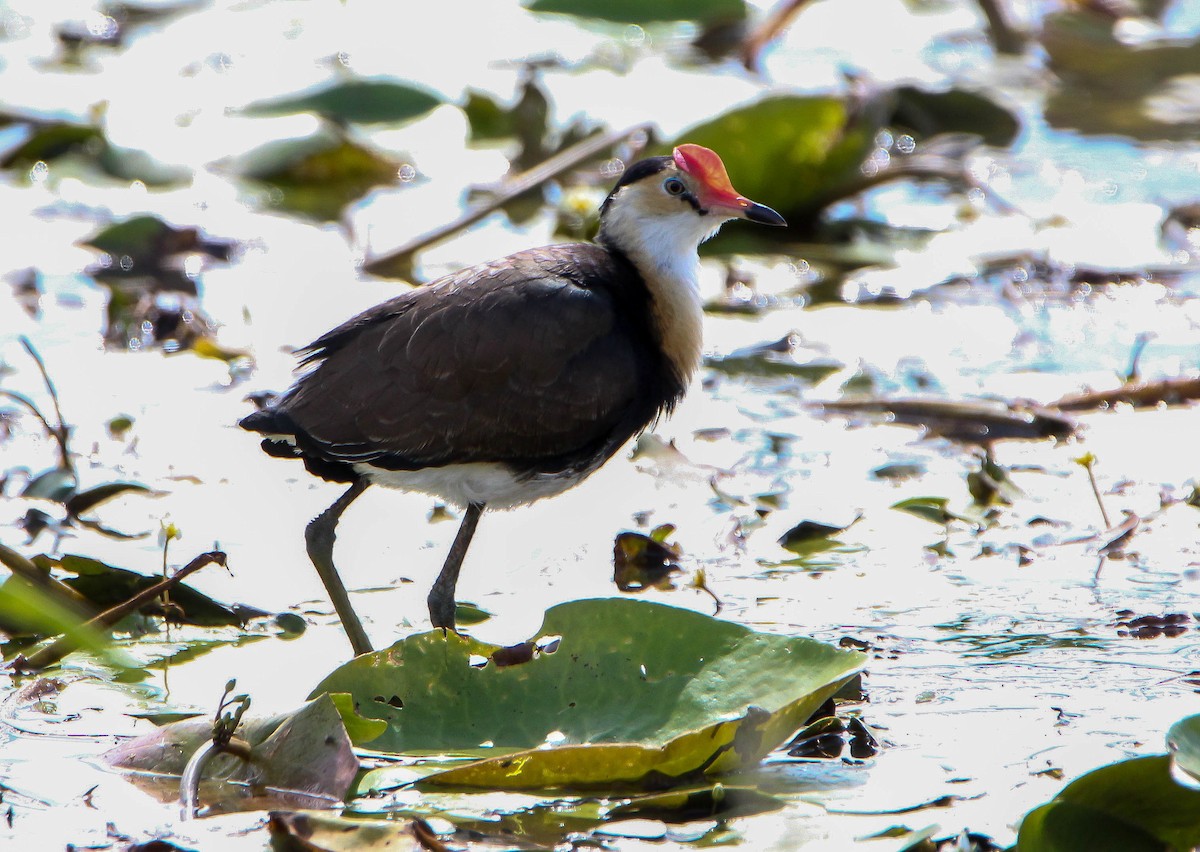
{"x": 362, "y": 101}
{"x": 1183, "y": 741}
{"x": 795, "y": 153}
{"x": 954, "y": 111}
{"x": 635, "y": 693}
{"x": 1130, "y": 806}
{"x": 318, "y": 175}
{"x": 147, "y": 241}
{"x": 645, "y": 11}
{"x": 50, "y": 141}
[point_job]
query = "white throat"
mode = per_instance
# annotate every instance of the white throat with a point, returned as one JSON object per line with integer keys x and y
{"x": 664, "y": 250}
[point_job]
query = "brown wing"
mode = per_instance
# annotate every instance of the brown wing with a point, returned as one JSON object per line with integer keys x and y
{"x": 522, "y": 360}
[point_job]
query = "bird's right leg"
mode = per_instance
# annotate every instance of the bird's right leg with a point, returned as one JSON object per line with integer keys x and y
{"x": 319, "y": 537}
{"x": 441, "y": 601}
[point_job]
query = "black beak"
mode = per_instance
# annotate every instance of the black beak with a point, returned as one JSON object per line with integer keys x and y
{"x": 762, "y": 214}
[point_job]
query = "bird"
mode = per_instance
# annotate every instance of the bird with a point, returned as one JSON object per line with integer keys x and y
{"x": 513, "y": 380}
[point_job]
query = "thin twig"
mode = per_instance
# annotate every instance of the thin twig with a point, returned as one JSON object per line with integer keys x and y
{"x": 777, "y": 21}
{"x": 522, "y": 183}
{"x": 59, "y": 433}
{"x": 1099, "y": 498}
{"x": 64, "y": 645}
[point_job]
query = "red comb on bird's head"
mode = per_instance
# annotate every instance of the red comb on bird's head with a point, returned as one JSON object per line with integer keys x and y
{"x": 715, "y": 190}
{"x": 706, "y": 167}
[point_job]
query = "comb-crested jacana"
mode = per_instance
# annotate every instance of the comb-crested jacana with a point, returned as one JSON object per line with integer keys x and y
{"x": 513, "y": 380}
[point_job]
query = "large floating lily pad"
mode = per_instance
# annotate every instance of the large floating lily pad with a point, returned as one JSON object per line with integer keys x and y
{"x": 634, "y": 693}
{"x": 1130, "y": 806}
{"x": 362, "y": 101}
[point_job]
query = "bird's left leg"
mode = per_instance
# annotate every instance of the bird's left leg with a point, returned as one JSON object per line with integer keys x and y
{"x": 319, "y": 537}
{"x": 441, "y": 596}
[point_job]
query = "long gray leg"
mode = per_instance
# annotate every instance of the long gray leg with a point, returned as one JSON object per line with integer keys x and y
{"x": 441, "y": 596}
{"x": 319, "y": 536}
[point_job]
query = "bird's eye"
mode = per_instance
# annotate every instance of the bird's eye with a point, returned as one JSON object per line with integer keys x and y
{"x": 674, "y": 186}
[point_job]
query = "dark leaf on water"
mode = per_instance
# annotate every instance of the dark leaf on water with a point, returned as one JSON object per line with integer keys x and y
{"x": 81, "y": 501}
{"x": 362, "y": 101}
{"x": 467, "y": 614}
{"x": 147, "y": 241}
{"x": 319, "y": 175}
{"x": 933, "y": 509}
{"x": 106, "y": 586}
{"x": 1145, "y": 90}
{"x": 57, "y": 484}
{"x": 781, "y": 357}
{"x": 928, "y": 114}
{"x": 810, "y": 537}
{"x": 646, "y": 11}
{"x": 51, "y": 140}
{"x": 642, "y": 562}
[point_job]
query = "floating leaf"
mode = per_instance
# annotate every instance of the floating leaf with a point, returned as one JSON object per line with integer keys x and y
{"x": 1183, "y": 741}
{"x": 48, "y": 142}
{"x": 307, "y": 751}
{"x": 646, "y": 11}
{"x": 641, "y": 561}
{"x": 636, "y": 693}
{"x": 467, "y": 614}
{"x": 810, "y": 537}
{"x": 147, "y": 241}
{"x": 56, "y": 484}
{"x": 81, "y": 501}
{"x": 781, "y": 357}
{"x": 106, "y": 586}
{"x": 1144, "y": 90}
{"x": 933, "y": 509}
{"x": 1129, "y": 806}
{"x": 318, "y": 175}
{"x": 954, "y": 111}
{"x": 362, "y": 101}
